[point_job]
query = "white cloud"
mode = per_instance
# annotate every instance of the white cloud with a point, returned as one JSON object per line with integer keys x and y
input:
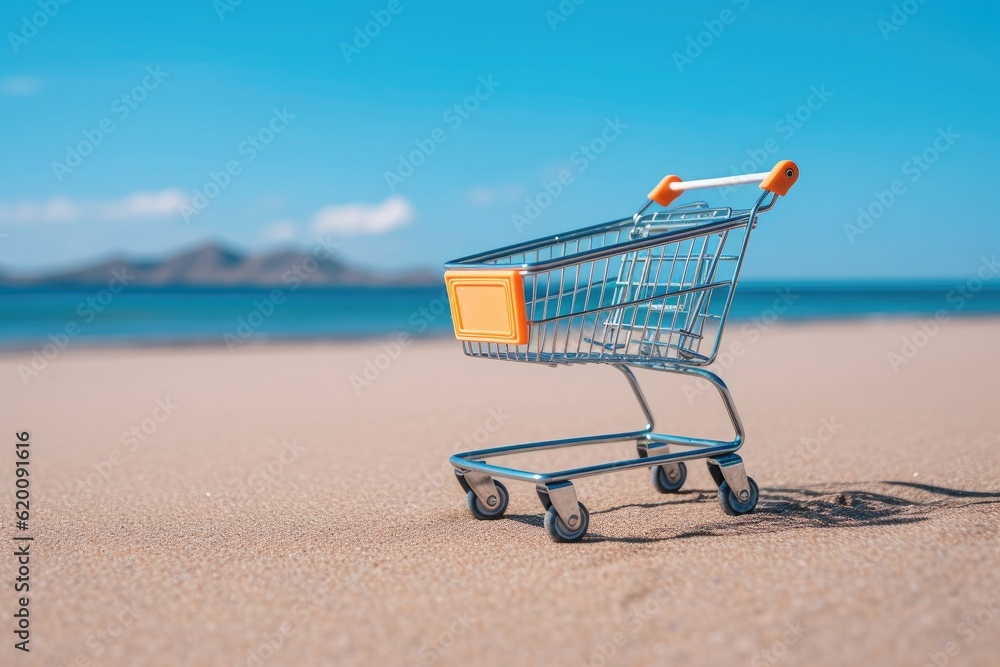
{"x": 394, "y": 212}
{"x": 21, "y": 85}
{"x": 61, "y": 209}
{"x": 484, "y": 195}
{"x": 280, "y": 231}
{"x": 143, "y": 205}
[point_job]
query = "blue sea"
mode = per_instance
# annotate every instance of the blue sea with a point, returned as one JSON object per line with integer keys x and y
{"x": 33, "y": 316}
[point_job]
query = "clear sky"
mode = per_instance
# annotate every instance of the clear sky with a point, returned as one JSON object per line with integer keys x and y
{"x": 117, "y": 116}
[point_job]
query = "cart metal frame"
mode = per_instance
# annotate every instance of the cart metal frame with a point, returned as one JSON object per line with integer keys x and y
{"x": 627, "y": 330}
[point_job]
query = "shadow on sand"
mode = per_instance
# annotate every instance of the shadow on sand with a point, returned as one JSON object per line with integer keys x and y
{"x": 833, "y": 505}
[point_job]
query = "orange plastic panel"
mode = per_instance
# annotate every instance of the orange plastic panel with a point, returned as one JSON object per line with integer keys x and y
{"x": 488, "y": 306}
{"x": 662, "y": 194}
{"x": 781, "y": 178}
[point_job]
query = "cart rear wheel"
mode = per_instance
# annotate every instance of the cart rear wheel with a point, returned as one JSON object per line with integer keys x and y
{"x": 732, "y": 505}
{"x": 669, "y": 477}
{"x": 482, "y": 511}
{"x": 560, "y": 532}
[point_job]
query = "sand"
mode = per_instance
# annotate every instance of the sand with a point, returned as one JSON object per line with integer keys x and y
{"x": 267, "y": 510}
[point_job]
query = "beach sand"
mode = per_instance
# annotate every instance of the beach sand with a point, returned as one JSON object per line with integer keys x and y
{"x": 266, "y": 511}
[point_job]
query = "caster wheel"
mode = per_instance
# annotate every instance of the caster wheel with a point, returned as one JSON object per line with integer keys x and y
{"x": 544, "y": 497}
{"x": 560, "y": 532}
{"x": 668, "y": 478}
{"x": 484, "y": 512}
{"x": 716, "y": 473}
{"x": 732, "y": 505}
{"x": 461, "y": 480}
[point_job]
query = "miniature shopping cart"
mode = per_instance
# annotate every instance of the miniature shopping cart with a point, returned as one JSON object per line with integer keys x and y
{"x": 651, "y": 291}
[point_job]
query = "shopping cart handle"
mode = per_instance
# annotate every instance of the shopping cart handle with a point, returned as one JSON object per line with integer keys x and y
{"x": 779, "y": 180}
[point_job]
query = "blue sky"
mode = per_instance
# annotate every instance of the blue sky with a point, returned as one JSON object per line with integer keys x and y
{"x": 302, "y": 130}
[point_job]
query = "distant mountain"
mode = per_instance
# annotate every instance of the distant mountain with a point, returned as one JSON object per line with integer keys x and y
{"x": 212, "y": 265}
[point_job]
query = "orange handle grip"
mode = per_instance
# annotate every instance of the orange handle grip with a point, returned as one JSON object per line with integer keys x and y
{"x": 663, "y": 193}
{"x": 781, "y": 178}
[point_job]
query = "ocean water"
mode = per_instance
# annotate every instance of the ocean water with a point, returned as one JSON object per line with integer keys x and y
{"x": 35, "y": 316}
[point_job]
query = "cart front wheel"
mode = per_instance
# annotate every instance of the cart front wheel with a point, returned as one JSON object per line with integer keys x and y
{"x": 460, "y": 476}
{"x": 716, "y": 473}
{"x": 732, "y": 505}
{"x": 669, "y": 477}
{"x": 543, "y": 496}
{"x": 483, "y": 512}
{"x": 560, "y": 532}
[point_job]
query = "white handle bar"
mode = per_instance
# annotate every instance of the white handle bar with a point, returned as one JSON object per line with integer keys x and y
{"x": 778, "y": 180}
{"x": 680, "y": 186}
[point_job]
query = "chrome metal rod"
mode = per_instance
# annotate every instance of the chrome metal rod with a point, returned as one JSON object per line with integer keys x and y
{"x": 482, "y": 261}
{"x": 639, "y": 396}
{"x": 588, "y": 471}
{"x": 480, "y": 454}
{"x": 706, "y": 448}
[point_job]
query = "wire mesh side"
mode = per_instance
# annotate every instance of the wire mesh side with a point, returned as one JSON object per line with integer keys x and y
{"x": 565, "y": 245}
{"x": 665, "y": 302}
